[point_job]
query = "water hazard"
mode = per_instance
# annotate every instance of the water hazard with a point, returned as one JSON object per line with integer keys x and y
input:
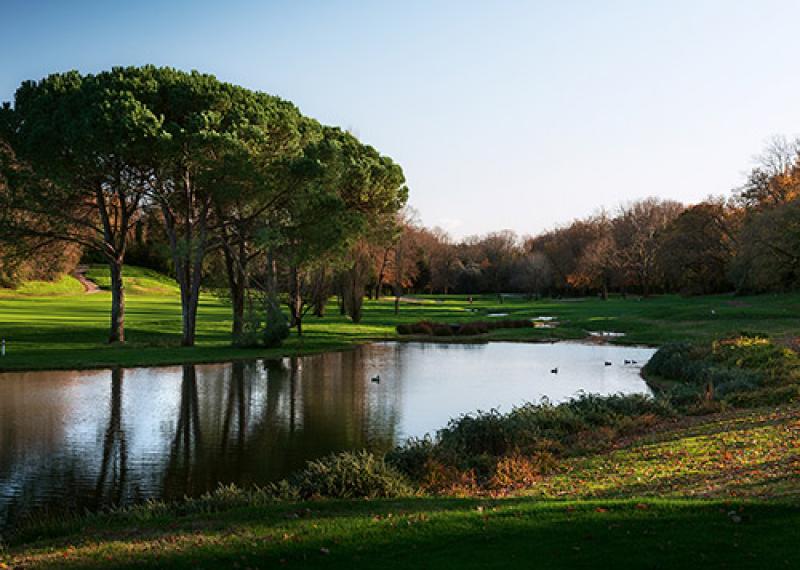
{"x": 87, "y": 439}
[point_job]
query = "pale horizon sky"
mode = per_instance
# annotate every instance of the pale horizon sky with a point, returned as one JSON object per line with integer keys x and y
{"x": 503, "y": 115}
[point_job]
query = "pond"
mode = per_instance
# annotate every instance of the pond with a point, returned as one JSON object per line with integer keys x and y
{"x": 87, "y": 439}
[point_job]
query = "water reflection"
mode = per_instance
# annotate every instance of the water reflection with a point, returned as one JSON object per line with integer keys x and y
{"x": 80, "y": 440}
{"x": 113, "y": 467}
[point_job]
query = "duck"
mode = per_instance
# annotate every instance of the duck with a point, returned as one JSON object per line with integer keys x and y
{"x": 554, "y": 371}
{"x": 608, "y": 363}
{"x": 627, "y": 361}
{"x": 376, "y": 378}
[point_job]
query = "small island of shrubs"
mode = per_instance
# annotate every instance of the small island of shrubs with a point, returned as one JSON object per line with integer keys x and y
{"x": 429, "y": 328}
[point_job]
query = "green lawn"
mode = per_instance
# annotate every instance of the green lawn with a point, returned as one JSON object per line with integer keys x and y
{"x": 715, "y": 492}
{"x": 621, "y": 525}
{"x": 61, "y": 327}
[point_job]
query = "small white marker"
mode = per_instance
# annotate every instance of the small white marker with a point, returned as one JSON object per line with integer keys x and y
{"x": 3, "y": 348}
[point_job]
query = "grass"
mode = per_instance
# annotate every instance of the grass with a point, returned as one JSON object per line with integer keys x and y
{"x": 65, "y": 285}
{"x": 137, "y": 280}
{"x": 598, "y": 510}
{"x": 719, "y": 491}
{"x": 744, "y": 454}
{"x": 58, "y": 326}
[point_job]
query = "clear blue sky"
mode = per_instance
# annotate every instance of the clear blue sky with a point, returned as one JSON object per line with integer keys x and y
{"x": 516, "y": 115}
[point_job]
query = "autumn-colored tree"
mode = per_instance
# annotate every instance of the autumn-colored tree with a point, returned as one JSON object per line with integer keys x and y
{"x": 636, "y": 232}
{"x": 696, "y": 249}
{"x": 404, "y": 255}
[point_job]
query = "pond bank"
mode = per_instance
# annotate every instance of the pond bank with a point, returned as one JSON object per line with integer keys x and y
{"x": 601, "y": 507}
{"x": 100, "y": 438}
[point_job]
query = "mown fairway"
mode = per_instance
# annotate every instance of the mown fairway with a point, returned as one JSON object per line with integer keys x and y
{"x": 59, "y": 326}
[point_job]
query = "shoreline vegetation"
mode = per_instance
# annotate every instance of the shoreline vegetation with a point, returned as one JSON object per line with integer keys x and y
{"x": 660, "y": 490}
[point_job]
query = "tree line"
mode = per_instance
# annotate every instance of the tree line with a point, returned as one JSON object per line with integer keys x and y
{"x": 746, "y": 242}
{"x": 216, "y": 179}
{"x": 233, "y": 190}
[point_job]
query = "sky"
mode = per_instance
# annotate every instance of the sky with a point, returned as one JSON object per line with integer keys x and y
{"x": 504, "y": 115}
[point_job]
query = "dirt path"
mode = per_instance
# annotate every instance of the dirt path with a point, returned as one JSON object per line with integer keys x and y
{"x": 89, "y": 287}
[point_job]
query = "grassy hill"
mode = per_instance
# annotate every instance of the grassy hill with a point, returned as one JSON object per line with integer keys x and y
{"x": 64, "y": 285}
{"x": 136, "y": 280}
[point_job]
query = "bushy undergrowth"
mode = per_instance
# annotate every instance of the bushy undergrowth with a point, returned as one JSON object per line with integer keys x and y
{"x": 349, "y": 475}
{"x": 734, "y": 371}
{"x": 463, "y": 329}
{"x": 475, "y": 450}
{"x": 346, "y": 475}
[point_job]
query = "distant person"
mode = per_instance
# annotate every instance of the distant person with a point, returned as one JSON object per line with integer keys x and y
{"x": 470, "y": 299}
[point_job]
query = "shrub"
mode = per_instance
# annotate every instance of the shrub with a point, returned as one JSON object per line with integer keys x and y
{"x": 349, "y": 475}
{"x": 516, "y": 471}
{"x": 774, "y": 363}
{"x": 252, "y": 329}
{"x": 442, "y": 330}
{"x": 276, "y": 329}
{"x": 470, "y": 329}
{"x": 422, "y": 327}
{"x": 493, "y": 449}
{"x": 773, "y": 396}
{"x": 678, "y": 361}
{"x": 729, "y": 367}
{"x": 533, "y": 427}
{"x": 412, "y": 457}
{"x": 482, "y": 433}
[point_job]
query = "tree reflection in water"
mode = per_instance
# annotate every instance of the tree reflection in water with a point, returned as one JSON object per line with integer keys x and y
{"x": 186, "y": 451}
{"x": 80, "y": 440}
{"x": 114, "y": 464}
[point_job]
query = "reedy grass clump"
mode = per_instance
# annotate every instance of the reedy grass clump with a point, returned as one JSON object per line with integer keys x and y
{"x": 346, "y": 475}
{"x": 349, "y": 475}
{"x": 486, "y": 448}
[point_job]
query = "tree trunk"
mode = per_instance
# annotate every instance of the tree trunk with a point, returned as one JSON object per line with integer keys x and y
{"x": 296, "y": 300}
{"x": 117, "y": 333}
{"x": 236, "y": 284}
{"x": 189, "y": 317}
{"x": 187, "y": 255}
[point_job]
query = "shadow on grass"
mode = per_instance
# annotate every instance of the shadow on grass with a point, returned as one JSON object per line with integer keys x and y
{"x": 462, "y": 533}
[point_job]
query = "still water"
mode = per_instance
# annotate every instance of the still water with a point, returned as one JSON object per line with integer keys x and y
{"x": 86, "y": 439}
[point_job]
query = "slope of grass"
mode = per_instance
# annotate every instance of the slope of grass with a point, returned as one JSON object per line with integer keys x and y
{"x": 137, "y": 280}
{"x": 70, "y": 330}
{"x": 64, "y": 285}
{"x": 710, "y": 468}
{"x": 746, "y": 454}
